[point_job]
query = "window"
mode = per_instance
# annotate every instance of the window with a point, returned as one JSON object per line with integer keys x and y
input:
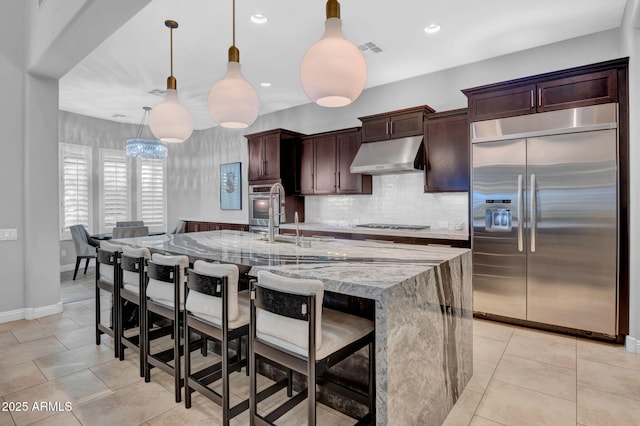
{"x": 152, "y": 190}
{"x": 75, "y": 187}
{"x": 114, "y": 189}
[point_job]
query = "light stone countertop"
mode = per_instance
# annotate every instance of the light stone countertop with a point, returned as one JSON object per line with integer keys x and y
{"x": 359, "y": 268}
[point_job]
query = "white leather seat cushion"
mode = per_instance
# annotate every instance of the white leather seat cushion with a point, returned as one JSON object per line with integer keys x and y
{"x": 131, "y": 280}
{"x": 291, "y": 332}
{"x": 162, "y": 292}
{"x": 338, "y": 330}
{"x": 106, "y": 271}
{"x": 242, "y": 318}
{"x": 209, "y": 305}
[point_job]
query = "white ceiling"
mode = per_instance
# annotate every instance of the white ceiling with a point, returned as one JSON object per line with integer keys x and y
{"x": 117, "y": 76}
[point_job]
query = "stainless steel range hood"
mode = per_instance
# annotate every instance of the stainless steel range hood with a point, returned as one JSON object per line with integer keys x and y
{"x": 405, "y": 155}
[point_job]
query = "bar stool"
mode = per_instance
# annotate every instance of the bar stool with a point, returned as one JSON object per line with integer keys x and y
{"x": 133, "y": 262}
{"x": 289, "y": 326}
{"x": 165, "y": 297}
{"x": 215, "y": 309}
{"x": 108, "y": 278}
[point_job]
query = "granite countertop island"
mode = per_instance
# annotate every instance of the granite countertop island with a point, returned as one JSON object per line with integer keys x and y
{"x": 423, "y": 306}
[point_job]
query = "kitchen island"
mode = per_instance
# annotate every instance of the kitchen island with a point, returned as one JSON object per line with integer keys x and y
{"x": 423, "y": 306}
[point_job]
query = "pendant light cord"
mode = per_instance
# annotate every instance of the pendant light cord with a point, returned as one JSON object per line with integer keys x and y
{"x": 234, "y": 22}
{"x": 171, "y": 48}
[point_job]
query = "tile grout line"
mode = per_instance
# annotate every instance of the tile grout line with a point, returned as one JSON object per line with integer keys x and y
{"x": 492, "y": 378}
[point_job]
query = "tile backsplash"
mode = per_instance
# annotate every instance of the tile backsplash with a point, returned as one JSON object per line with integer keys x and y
{"x": 396, "y": 199}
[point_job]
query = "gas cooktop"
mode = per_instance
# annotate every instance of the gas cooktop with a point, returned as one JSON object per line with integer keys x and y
{"x": 392, "y": 226}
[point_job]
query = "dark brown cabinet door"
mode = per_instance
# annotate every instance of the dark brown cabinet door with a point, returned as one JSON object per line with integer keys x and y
{"x": 347, "y": 182}
{"x": 375, "y": 129}
{"x": 578, "y": 91}
{"x": 404, "y": 125}
{"x": 325, "y": 164}
{"x": 255, "y": 157}
{"x": 271, "y": 159}
{"x": 447, "y": 152}
{"x": 503, "y": 103}
{"x": 306, "y": 166}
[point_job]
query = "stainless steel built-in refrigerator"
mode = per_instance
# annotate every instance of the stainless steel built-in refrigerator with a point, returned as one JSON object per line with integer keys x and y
{"x": 545, "y": 218}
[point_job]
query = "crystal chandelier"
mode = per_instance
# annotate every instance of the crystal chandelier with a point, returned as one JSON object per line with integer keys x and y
{"x": 140, "y": 147}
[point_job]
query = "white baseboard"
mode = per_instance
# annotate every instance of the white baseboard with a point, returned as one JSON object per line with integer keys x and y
{"x": 69, "y": 267}
{"x": 30, "y": 313}
{"x": 632, "y": 345}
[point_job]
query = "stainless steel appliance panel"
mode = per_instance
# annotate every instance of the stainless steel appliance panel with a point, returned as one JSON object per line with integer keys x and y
{"x": 572, "y": 247}
{"x": 259, "y": 206}
{"x": 499, "y": 257}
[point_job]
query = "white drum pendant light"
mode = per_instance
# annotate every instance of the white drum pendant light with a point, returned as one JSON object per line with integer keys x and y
{"x": 233, "y": 101}
{"x": 169, "y": 120}
{"x": 333, "y": 71}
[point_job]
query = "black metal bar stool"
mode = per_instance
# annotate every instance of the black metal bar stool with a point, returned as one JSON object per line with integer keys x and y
{"x": 289, "y": 326}
{"x": 215, "y": 309}
{"x": 108, "y": 278}
{"x": 133, "y": 262}
{"x": 165, "y": 298}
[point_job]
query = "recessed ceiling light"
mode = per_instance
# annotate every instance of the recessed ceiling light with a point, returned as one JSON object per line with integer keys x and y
{"x": 258, "y": 18}
{"x": 265, "y": 84}
{"x": 432, "y": 28}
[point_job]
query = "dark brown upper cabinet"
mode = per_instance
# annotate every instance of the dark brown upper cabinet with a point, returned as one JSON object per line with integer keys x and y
{"x": 272, "y": 158}
{"x": 572, "y": 88}
{"x": 394, "y": 124}
{"x": 446, "y": 153}
{"x": 325, "y": 160}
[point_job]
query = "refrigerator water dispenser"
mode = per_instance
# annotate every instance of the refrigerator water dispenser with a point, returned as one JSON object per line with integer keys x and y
{"x": 498, "y": 219}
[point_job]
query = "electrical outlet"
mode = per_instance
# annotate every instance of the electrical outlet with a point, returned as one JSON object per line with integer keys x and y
{"x": 63, "y": 252}
{"x": 10, "y": 234}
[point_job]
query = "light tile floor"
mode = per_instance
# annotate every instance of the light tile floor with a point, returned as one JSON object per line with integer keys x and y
{"x": 521, "y": 377}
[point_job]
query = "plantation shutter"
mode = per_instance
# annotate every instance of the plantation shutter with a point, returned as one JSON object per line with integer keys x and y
{"x": 114, "y": 189}
{"x": 152, "y": 193}
{"x": 75, "y": 187}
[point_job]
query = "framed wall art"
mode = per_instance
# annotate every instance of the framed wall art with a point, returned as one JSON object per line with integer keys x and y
{"x": 231, "y": 186}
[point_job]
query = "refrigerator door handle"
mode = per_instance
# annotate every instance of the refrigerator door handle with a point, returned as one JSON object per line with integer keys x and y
{"x": 520, "y": 219}
{"x": 532, "y": 203}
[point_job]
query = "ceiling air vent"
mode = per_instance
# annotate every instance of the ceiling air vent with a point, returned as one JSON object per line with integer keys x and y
{"x": 118, "y": 116}
{"x": 370, "y": 48}
{"x": 157, "y": 92}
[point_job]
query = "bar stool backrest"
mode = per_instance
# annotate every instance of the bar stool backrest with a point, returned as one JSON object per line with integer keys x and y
{"x": 130, "y": 261}
{"x": 281, "y": 318}
{"x": 162, "y": 280}
{"x": 203, "y": 299}
{"x": 107, "y": 256}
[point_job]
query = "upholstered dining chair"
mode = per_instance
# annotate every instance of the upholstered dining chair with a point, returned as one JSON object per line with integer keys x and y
{"x": 130, "y": 232}
{"x": 125, "y": 223}
{"x": 85, "y": 246}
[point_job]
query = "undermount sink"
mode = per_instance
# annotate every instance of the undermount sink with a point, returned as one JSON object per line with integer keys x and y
{"x": 289, "y": 239}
